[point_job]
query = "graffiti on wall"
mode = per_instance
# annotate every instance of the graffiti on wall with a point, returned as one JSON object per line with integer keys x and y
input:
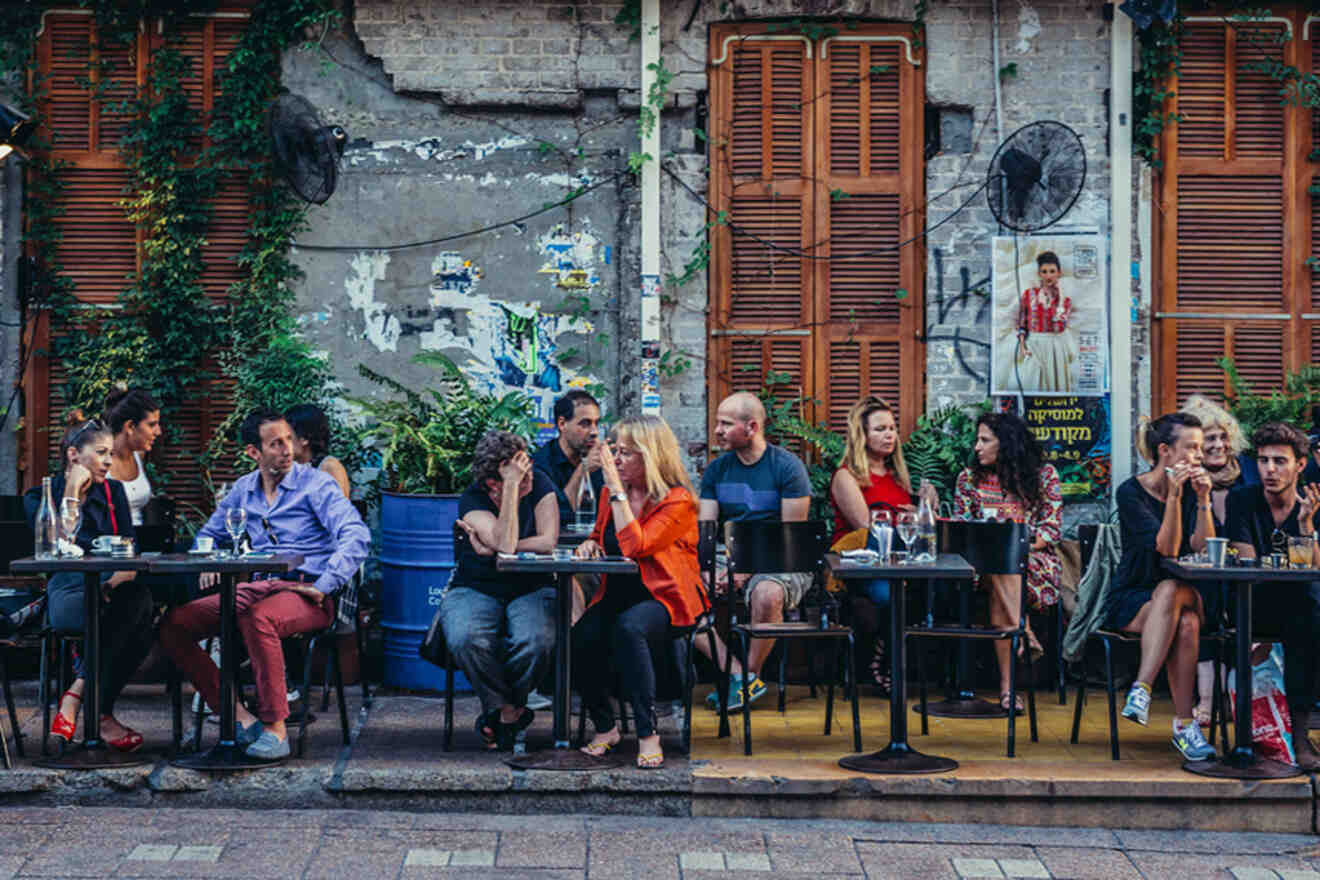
{"x": 970, "y": 295}
{"x": 569, "y": 258}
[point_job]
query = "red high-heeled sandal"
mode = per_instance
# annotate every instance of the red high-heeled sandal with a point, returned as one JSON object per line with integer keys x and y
{"x": 62, "y": 727}
{"x": 129, "y": 742}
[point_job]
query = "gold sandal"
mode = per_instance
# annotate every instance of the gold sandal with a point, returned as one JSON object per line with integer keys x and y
{"x": 598, "y": 748}
{"x": 650, "y": 760}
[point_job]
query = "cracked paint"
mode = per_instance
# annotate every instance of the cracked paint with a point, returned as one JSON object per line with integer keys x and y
{"x": 380, "y": 328}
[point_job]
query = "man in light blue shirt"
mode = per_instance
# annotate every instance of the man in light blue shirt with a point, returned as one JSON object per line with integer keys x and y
{"x": 291, "y": 508}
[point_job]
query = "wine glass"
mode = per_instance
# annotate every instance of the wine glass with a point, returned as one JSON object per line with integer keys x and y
{"x": 907, "y": 529}
{"x": 236, "y": 525}
{"x": 70, "y": 518}
{"x": 881, "y": 519}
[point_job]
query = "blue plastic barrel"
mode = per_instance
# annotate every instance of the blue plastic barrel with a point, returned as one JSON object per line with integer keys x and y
{"x": 416, "y": 558}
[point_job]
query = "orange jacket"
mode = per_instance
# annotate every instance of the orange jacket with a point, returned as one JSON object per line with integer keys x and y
{"x": 663, "y": 542}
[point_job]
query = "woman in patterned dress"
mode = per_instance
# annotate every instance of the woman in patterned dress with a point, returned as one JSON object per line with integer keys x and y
{"x": 1046, "y": 345}
{"x": 1007, "y": 481}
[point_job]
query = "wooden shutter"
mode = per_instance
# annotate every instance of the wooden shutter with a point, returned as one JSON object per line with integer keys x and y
{"x": 815, "y": 145}
{"x": 1235, "y": 224}
{"x": 88, "y": 82}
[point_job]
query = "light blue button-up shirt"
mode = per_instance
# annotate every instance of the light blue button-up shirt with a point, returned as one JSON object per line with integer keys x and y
{"x": 310, "y": 516}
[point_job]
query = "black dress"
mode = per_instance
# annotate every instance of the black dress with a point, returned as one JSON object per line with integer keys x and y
{"x": 1140, "y": 515}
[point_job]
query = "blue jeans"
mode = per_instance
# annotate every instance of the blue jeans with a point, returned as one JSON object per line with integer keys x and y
{"x": 504, "y": 647}
{"x": 877, "y": 591}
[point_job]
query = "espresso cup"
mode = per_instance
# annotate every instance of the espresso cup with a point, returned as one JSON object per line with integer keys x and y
{"x": 205, "y": 543}
{"x": 103, "y": 543}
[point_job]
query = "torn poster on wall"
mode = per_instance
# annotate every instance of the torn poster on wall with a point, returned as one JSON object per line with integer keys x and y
{"x": 570, "y": 258}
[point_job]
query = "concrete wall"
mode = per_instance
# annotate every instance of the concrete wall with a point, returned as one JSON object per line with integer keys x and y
{"x": 462, "y": 114}
{"x": 11, "y": 203}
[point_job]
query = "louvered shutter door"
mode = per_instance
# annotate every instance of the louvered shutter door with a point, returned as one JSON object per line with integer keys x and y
{"x": 871, "y": 169}
{"x": 99, "y": 248}
{"x": 1232, "y": 279}
{"x": 762, "y": 286}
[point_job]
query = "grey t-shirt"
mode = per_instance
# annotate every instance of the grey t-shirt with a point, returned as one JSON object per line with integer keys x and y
{"x": 755, "y": 492}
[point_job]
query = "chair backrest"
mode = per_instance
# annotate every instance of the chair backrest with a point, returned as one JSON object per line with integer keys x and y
{"x": 989, "y": 547}
{"x": 772, "y": 546}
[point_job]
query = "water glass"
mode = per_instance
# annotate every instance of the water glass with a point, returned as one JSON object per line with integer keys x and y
{"x": 1300, "y": 551}
{"x": 562, "y": 554}
{"x": 1216, "y": 550}
{"x": 70, "y": 518}
{"x": 236, "y": 525}
{"x": 907, "y": 529}
{"x": 882, "y": 532}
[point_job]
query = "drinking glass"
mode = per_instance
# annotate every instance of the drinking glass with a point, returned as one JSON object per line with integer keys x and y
{"x": 70, "y": 518}
{"x": 235, "y": 524}
{"x": 882, "y": 532}
{"x": 1299, "y": 551}
{"x": 907, "y": 529}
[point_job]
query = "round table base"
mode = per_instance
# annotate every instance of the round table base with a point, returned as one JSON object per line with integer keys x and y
{"x": 223, "y": 757}
{"x": 899, "y": 761}
{"x": 1257, "y": 768}
{"x": 973, "y": 708}
{"x": 78, "y": 757}
{"x": 562, "y": 759}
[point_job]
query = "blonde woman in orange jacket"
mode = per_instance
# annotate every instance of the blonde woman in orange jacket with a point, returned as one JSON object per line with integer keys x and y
{"x": 648, "y": 513}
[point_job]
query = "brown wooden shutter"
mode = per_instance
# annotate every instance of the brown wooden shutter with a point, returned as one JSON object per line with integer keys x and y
{"x": 816, "y": 145}
{"x": 99, "y": 250}
{"x": 1235, "y": 223}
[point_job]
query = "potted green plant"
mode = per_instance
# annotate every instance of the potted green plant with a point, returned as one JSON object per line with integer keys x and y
{"x": 427, "y": 439}
{"x": 940, "y": 446}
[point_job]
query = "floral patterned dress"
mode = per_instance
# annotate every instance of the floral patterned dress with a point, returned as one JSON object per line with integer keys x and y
{"x": 987, "y": 500}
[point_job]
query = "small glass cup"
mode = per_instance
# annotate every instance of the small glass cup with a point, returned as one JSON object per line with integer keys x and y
{"x": 562, "y": 554}
{"x": 1301, "y": 551}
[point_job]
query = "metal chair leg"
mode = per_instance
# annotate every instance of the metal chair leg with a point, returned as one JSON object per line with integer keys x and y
{"x": 746, "y": 697}
{"x": 9, "y": 704}
{"x": 338, "y": 670}
{"x": 200, "y": 715}
{"x": 689, "y": 686}
{"x": 44, "y": 695}
{"x": 1078, "y": 699}
{"x": 857, "y": 697}
{"x": 1113, "y": 707}
{"x": 175, "y": 685}
{"x": 1031, "y": 697}
{"x": 726, "y": 687}
{"x": 829, "y": 692}
{"x": 448, "y": 742}
{"x": 1060, "y": 667}
{"x": 1013, "y": 642}
{"x": 306, "y": 683}
{"x": 783, "y": 675}
{"x": 362, "y": 654}
{"x": 921, "y": 687}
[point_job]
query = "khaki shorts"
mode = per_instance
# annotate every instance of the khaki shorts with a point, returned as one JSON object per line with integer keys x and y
{"x": 795, "y": 584}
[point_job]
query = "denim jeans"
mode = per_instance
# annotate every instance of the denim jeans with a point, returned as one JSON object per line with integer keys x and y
{"x": 619, "y": 645}
{"x": 504, "y": 647}
{"x": 877, "y": 591}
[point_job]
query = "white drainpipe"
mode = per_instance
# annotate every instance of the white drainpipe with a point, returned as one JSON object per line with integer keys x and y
{"x": 650, "y": 341}
{"x": 1120, "y": 210}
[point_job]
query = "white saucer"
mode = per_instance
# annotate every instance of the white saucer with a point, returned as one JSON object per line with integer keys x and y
{"x": 201, "y": 552}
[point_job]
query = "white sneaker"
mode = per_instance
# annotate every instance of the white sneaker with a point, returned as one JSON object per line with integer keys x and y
{"x": 537, "y": 701}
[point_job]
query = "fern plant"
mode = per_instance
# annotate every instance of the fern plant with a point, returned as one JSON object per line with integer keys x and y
{"x": 429, "y": 436}
{"x": 940, "y": 447}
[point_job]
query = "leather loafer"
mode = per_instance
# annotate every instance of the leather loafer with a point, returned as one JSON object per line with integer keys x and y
{"x": 268, "y": 747}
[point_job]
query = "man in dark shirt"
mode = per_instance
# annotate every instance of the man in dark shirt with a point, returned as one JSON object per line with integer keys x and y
{"x": 500, "y": 628}
{"x": 574, "y": 455}
{"x": 1257, "y": 520}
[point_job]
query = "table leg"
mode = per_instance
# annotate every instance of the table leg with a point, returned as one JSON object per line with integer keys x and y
{"x": 898, "y": 756}
{"x": 93, "y": 752}
{"x": 226, "y": 754}
{"x": 563, "y": 756}
{"x": 1243, "y": 762}
{"x": 964, "y": 703}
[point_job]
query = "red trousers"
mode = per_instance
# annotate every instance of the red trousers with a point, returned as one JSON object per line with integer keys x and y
{"x": 267, "y": 612}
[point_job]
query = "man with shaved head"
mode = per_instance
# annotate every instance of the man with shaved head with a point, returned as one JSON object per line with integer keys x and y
{"x": 754, "y": 480}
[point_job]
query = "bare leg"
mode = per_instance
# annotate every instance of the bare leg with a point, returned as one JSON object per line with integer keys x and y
{"x": 701, "y": 643}
{"x": 767, "y": 604}
{"x": 1182, "y": 659}
{"x": 1005, "y": 599}
{"x": 1155, "y": 621}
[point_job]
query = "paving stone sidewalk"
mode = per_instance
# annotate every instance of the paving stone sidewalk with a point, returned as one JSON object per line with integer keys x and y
{"x": 59, "y": 842}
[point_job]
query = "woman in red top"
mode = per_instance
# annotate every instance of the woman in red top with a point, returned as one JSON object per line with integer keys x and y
{"x": 648, "y": 512}
{"x": 871, "y": 476}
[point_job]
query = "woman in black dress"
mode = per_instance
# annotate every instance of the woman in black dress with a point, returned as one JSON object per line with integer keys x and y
{"x": 1164, "y": 513}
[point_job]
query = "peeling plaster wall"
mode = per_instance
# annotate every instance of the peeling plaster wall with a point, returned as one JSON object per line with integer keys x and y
{"x": 11, "y": 203}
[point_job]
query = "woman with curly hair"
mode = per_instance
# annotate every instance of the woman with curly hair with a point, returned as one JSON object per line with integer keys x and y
{"x": 1007, "y": 481}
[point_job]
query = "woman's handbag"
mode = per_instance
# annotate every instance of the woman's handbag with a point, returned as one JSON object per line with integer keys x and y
{"x": 432, "y": 648}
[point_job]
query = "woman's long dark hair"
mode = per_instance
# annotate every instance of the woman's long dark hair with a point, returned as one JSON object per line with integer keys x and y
{"x": 1018, "y": 463}
{"x": 311, "y": 424}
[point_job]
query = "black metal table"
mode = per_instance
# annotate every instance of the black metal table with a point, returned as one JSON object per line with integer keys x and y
{"x": 898, "y": 756}
{"x": 571, "y": 536}
{"x": 225, "y": 754}
{"x": 93, "y": 752}
{"x": 1242, "y": 762}
{"x": 563, "y": 756}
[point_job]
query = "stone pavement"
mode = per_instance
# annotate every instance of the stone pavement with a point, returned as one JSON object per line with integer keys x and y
{"x": 61, "y": 842}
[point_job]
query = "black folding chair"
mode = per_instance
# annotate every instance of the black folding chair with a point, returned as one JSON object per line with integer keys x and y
{"x": 762, "y": 547}
{"x": 992, "y": 548}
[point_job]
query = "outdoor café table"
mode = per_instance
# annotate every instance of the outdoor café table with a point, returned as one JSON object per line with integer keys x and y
{"x": 563, "y": 756}
{"x": 225, "y": 754}
{"x": 93, "y": 752}
{"x": 1242, "y": 762}
{"x": 571, "y": 536}
{"x": 898, "y": 756}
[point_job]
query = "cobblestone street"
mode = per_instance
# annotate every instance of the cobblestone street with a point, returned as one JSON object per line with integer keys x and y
{"x": 180, "y": 842}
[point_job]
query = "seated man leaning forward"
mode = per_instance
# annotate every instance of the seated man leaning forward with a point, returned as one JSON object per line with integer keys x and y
{"x": 499, "y": 627}
{"x": 754, "y": 480}
{"x": 1257, "y": 517}
{"x": 291, "y": 508}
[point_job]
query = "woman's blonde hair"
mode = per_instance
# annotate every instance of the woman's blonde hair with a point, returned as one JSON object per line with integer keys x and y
{"x": 659, "y": 448}
{"x": 855, "y": 458}
{"x": 1213, "y": 415}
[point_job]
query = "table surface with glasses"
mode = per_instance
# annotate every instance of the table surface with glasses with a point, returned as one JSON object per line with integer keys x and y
{"x": 93, "y": 753}
{"x": 1242, "y": 762}
{"x": 226, "y": 754}
{"x": 898, "y": 756}
{"x": 563, "y": 756}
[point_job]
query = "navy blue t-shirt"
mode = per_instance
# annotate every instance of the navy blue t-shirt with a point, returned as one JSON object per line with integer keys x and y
{"x": 755, "y": 492}
{"x": 477, "y": 571}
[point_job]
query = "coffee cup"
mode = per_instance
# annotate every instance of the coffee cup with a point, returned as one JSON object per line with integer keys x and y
{"x": 103, "y": 543}
{"x": 205, "y": 543}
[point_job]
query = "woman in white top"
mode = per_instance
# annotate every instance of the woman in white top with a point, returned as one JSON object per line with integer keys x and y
{"x": 133, "y": 416}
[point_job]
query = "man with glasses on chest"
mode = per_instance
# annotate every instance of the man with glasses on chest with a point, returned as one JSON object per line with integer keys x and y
{"x": 290, "y": 508}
